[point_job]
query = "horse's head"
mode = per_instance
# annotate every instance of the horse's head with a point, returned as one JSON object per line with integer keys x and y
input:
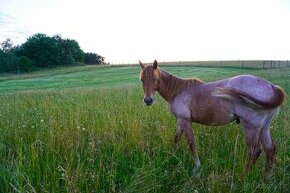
{"x": 149, "y": 76}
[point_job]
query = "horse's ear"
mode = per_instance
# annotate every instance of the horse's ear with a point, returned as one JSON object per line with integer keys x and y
{"x": 141, "y": 65}
{"x": 155, "y": 64}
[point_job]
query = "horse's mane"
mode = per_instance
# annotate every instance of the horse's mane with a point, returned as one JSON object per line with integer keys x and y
{"x": 175, "y": 85}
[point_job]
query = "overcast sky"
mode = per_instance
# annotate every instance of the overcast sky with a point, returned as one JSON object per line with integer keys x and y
{"x": 167, "y": 30}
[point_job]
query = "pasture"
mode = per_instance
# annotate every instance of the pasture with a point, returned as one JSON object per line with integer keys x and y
{"x": 86, "y": 129}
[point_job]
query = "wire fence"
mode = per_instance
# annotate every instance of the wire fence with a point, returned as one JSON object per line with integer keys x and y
{"x": 263, "y": 64}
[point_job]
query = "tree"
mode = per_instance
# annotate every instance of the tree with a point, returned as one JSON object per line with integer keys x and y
{"x": 71, "y": 51}
{"x": 2, "y": 61}
{"x": 75, "y": 50}
{"x": 44, "y": 51}
{"x": 7, "y": 45}
{"x": 92, "y": 58}
{"x": 25, "y": 64}
{"x": 8, "y": 62}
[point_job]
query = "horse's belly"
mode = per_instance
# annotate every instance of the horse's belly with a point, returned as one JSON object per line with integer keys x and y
{"x": 218, "y": 113}
{"x": 215, "y": 119}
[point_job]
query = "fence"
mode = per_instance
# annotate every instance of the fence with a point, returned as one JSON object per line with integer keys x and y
{"x": 263, "y": 64}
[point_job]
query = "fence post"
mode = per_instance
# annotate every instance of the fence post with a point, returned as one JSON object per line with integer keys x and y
{"x": 271, "y": 63}
{"x": 264, "y": 64}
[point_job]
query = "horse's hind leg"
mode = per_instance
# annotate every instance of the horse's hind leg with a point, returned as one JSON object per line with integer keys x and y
{"x": 257, "y": 152}
{"x": 270, "y": 149}
{"x": 268, "y": 145}
{"x": 253, "y": 145}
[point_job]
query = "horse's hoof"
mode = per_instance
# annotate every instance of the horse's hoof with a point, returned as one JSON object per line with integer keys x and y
{"x": 267, "y": 175}
{"x": 196, "y": 171}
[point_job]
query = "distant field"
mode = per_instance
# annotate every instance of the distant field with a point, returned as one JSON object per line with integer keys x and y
{"x": 97, "y": 77}
{"x": 86, "y": 129}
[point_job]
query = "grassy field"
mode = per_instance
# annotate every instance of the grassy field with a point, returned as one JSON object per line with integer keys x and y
{"x": 86, "y": 129}
{"x": 102, "y": 77}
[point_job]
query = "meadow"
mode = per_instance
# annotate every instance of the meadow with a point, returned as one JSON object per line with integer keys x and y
{"x": 86, "y": 129}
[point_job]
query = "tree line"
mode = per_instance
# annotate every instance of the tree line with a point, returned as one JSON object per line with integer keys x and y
{"x": 41, "y": 51}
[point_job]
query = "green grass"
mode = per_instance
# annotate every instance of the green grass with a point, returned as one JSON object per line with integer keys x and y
{"x": 86, "y": 129}
{"x": 102, "y": 77}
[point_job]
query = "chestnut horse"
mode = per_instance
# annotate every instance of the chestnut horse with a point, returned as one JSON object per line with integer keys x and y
{"x": 246, "y": 99}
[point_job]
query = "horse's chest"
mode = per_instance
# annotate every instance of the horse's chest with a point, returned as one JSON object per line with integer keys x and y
{"x": 180, "y": 107}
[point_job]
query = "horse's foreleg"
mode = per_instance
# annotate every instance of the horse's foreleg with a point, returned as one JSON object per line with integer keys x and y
{"x": 179, "y": 132}
{"x": 186, "y": 125}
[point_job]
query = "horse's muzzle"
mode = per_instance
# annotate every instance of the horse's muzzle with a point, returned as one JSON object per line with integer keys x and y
{"x": 148, "y": 101}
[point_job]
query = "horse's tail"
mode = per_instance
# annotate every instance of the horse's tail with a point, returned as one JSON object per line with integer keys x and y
{"x": 234, "y": 94}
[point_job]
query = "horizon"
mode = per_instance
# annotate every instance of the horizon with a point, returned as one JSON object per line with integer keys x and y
{"x": 128, "y": 31}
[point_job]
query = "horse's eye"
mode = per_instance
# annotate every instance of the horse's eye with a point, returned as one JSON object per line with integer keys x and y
{"x": 142, "y": 80}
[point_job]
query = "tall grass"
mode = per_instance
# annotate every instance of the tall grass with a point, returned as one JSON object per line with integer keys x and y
{"x": 106, "y": 140}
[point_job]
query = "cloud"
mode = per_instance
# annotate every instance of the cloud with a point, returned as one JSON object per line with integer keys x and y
{"x": 11, "y": 28}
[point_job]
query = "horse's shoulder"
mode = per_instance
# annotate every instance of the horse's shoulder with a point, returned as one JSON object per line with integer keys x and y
{"x": 179, "y": 105}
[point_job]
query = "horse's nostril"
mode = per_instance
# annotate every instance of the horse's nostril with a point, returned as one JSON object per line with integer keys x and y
{"x": 148, "y": 101}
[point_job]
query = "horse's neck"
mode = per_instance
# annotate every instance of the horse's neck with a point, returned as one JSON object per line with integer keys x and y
{"x": 171, "y": 85}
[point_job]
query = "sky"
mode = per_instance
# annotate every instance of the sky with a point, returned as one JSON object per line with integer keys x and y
{"x": 125, "y": 31}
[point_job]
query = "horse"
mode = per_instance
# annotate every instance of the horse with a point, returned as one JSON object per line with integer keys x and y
{"x": 246, "y": 99}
